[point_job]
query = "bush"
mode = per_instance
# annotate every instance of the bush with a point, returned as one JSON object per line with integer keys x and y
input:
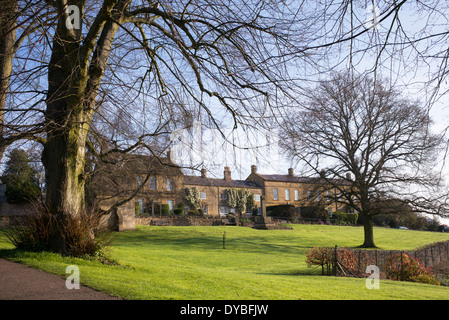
{"x": 404, "y": 267}
{"x": 316, "y": 213}
{"x": 345, "y": 218}
{"x": 178, "y": 211}
{"x": 323, "y": 257}
{"x": 165, "y": 209}
{"x": 192, "y": 212}
{"x": 35, "y": 231}
{"x": 286, "y": 211}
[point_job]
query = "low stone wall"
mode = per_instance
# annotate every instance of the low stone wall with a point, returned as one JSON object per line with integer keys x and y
{"x": 179, "y": 221}
{"x": 11, "y": 209}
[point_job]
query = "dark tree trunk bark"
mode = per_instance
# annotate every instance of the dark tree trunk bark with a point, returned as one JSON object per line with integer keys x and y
{"x": 74, "y": 76}
{"x": 8, "y": 18}
{"x": 368, "y": 231}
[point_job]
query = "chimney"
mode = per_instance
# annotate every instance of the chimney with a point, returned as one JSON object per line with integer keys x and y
{"x": 290, "y": 172}
{"x": 203, "y": 173}
{"x": 227, "y": 174}
{"x": 323, "y": 173}
{"x": 348, "y": 176}
{"x": 253, "y": 169}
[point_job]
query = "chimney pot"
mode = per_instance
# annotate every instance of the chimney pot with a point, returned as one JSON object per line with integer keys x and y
{"x": 227, "y": 174}
{"x": 290, "y": 172}
{"x": 253, "y": 169}
{"x": 203, "y": 173}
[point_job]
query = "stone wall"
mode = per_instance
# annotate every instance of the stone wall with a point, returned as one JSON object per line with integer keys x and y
{"x": 180, "y": 221}
{"x": 12, "y": 209}
{"x": 121, "y": 218}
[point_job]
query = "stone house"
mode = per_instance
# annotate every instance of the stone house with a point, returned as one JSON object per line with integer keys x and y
{"x": 131, "y": 184}
{"x": 153, "y": 182}
{"x": 213, "y": 192}
{"x": 298, "y": 191}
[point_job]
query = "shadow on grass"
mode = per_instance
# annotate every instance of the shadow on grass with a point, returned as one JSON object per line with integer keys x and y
{"x": 207, "y": 241}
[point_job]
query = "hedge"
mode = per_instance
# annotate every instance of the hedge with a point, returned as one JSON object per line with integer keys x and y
{"x": 346, "y": 218}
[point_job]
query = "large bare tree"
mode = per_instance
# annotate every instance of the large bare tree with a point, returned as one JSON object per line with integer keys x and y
{"x": 354, "y": 125}
{"x": 79, "y": 61}
{"x": 146, "y": 61}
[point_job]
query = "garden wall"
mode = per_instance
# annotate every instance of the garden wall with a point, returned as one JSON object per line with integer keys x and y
{"x": 429, "y": 256}
{"x": 180, "y": 221}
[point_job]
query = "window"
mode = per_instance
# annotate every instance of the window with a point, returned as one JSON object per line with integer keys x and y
{"x": 169, "y": 184}
{"x": 139, "y": 181}
{"x": 224, "y": 196}
{"x": 287, "y": 194}
{"x": 139, "y": 205}
{"x": 224, "y": 210}
{"x": 296, "y": 195}
{"x": 275, "y": 194}
{"x": 318, "y": 196}
{"x": 309, "y": 195}
{"x": 170, "y": 205}
{"x": 329, "y": 196}
{"x": 202, "y": 195}
{"x": 257, "y": 197}
{"x": 152, "y": 183}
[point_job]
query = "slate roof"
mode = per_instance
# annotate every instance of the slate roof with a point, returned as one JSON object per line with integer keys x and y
{"x": 289, "y": 178}
{"x": 200, "y": 181}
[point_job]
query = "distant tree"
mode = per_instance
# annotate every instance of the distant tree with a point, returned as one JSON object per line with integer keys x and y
{"x": 360, "y": 126}
{"x": 193, "y": 198}
{"x": 20, "y": 179}
{"x": 240, "y": 199}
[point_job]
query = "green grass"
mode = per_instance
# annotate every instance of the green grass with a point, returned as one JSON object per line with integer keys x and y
{"x": 190, "y": 263}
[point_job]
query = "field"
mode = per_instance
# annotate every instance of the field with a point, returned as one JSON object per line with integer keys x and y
{"x": 163, "y": 263}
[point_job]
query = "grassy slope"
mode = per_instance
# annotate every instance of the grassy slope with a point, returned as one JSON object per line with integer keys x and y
{"x": 190, "y": 263}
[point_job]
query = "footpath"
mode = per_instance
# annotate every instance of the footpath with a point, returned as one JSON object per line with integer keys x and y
{"x": 19, "y": 282}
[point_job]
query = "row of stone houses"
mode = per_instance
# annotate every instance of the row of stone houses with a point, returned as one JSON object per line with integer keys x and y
{"x": 159, "y": 181}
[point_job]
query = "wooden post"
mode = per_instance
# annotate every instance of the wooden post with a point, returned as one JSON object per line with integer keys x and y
{"x": 224, "y": 240}
{"x": 335, "y": 261}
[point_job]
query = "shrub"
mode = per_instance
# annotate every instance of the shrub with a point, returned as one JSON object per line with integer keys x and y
{"x": 407, "y": 268}
{"x": 192, "y": 212}
{"x": 323, "y": 257}
{"x": 345, "y": 218}
{"x": 286, "y": 211}
{"x": 80, "y": 235}
{"x": 178, "y": 211}
{"x": 316, "y": 213}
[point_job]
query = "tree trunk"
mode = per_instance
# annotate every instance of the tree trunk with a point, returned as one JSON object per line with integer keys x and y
{"x": 74, "y": 76}
{"x": 368, "y": 231}
{"x": 8, "y": 12}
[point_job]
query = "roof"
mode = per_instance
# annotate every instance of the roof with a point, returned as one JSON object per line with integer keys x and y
{"x": 200, "y": 181}
{"x": 144, "y": 164}
{"x": 296, "y": 179}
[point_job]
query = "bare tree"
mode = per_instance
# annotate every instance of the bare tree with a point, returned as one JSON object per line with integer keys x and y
{"x": 354, "y": 125}
{"x": 145, "y": 61}
{"x": 152, "y": 62}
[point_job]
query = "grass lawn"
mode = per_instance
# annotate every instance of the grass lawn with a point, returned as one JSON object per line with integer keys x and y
{"x": 190, "y": 263}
